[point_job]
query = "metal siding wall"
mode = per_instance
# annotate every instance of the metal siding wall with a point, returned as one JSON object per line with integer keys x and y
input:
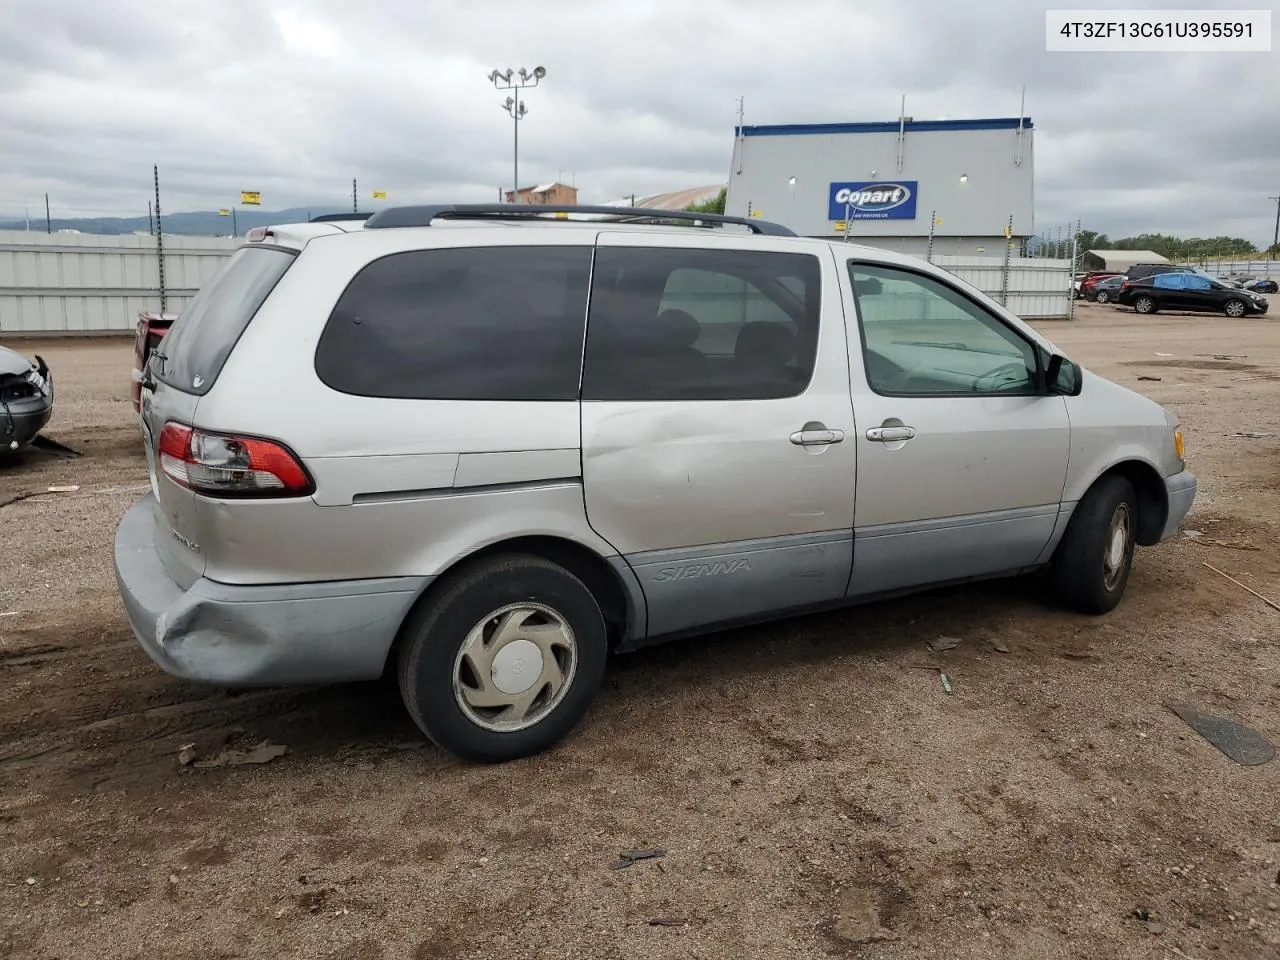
{"x": 996, "y": 187}
{"x": 82, "y": 282}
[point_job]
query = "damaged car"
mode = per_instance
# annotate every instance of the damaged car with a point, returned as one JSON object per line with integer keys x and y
{"x": 26, "y": 399}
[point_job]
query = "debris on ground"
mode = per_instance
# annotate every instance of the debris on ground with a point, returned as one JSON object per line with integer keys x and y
{"x": 1244, "y": 745}
{"x": 1142, "y": 914}
{"x": 1269, "y": 602}
{"x": 1154, "y": 379}
{"x": 939, "y": 644}
{"x": 668, "y": 922}
{"x": 999, "y": 646}
{"x": 1164, "y": 354}
{"x": 858, "y": 917}
{"x": 64, "y": 488}
{"x": 946, "y": 682}
{"x": 631, "y": 857}
{"x": 1081, "y": 655}
{"x": 1251, "y": 435}
{"x": 1197, "y": 536}
{"x": 263, "y": 752}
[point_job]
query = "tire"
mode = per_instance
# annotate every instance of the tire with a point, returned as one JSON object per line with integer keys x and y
{"x": 1235, "y": 309}
{"x": 450, "y": 643}
{"x": 1089, "y": 569}
{"x": 1103, "y": 297}
{"x": 1145, "y": 305}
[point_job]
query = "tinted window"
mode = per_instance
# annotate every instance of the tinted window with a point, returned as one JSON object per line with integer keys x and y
{"x": 473, "y": 323}
{"x": 922, "y": 337}
{"x": 701, "y": 324}
{"x": 204, "y": 334}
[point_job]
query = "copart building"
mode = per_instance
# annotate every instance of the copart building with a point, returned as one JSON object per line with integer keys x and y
{"x": 884, "y": 182}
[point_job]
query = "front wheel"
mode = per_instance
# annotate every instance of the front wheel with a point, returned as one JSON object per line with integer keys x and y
{"x": 1235, "y": 308}
{"x": 1145, "y": 305}
{"x": 505, "y": 660}
{"x": 1091, "y": 565}
{"x": 1103, "y": 297}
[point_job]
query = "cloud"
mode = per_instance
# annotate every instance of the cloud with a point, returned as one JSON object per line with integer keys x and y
{"x": 296, "y": 97}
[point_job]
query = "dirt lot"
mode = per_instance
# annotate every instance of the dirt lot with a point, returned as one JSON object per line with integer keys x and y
{"x": 811, "y": 784}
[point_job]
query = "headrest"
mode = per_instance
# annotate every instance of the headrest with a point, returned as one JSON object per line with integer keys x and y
{"x": 677, "y": 329}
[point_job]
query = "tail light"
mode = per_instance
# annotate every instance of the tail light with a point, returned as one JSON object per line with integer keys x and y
{"x": 225, "y": 465}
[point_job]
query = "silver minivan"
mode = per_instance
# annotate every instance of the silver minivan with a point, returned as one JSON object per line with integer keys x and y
{"x": 493, "y": 444}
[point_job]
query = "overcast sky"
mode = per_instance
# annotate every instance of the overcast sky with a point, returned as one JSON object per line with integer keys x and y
{"x": 295, "y": 97}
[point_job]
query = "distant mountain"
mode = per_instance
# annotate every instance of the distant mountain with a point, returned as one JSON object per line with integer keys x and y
{"x": 200, "y": 224}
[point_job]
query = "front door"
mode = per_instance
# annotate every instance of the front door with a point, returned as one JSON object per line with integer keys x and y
{"x": 962, "y": 457}
{"x": 718, "y": 441}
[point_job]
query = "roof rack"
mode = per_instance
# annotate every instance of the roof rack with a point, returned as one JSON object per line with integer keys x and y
{"x": 331, "y": 217}
{"x": 421, "y": 216}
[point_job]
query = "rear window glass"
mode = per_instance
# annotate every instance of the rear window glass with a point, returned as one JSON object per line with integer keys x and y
{"x": 469, "y": 323}
{"x": 206, "y": 331}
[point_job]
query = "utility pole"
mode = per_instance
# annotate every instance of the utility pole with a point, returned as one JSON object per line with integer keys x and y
{"x": 516, "y": 109}
{"x": 48, "y": 224}
{"x": 1275, "y": 239}
{"x": 164, "y": 303}
{"x": 354, "y": 207}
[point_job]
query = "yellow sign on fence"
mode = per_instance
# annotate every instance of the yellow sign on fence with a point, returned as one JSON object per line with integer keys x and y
{"x": 379, "y": 194}
{"x": 224, "y": 212}
{"x": 251, "y": 197}
{"x": 839, "y": 226}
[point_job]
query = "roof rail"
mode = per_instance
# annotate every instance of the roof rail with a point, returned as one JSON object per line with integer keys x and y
{"x": 421, "y": 216}
{"x": 331, "y": 217}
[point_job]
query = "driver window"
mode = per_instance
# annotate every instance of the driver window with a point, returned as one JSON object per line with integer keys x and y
{"x": 923, "y": 338}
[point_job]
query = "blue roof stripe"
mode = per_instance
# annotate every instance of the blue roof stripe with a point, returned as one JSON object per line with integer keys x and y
{"x": 890, "y": 126}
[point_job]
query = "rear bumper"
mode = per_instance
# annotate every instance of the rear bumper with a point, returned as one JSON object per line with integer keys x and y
{"x": 297, "y": 633}
{"x": 1180, "y": 490}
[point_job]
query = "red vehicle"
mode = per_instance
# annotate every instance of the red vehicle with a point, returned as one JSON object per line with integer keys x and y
{"x": 151, "y": 330}
{"x": 1091, "y": 279}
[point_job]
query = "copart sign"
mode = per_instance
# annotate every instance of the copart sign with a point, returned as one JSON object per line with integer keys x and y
{"x": 872, "y": 200}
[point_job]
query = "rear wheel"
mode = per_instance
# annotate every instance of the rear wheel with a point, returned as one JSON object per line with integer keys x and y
{"x": 1145, "y": 305}
{"x": 1235, "y": 308}
{"x": 505, "y": 660}
{"x": 1091, "y": 566}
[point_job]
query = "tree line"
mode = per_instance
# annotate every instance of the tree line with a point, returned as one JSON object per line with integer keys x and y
{"x": 1175, "y": 248}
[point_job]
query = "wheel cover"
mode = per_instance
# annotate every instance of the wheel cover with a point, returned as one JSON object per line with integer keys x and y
{"x": 1144, "y": 304}
{"x": 1102, "y": 298}
{"x": 1235, "y": 309}
{"x": 514, "y": 667}
{"x": 1116, "y": 548}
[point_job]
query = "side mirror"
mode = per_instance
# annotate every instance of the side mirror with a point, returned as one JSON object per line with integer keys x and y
{"x": 1062, "y": 377}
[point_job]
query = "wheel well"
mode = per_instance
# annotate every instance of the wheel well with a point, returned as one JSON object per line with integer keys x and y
{"x": 1153, "y": 503}
{"x": 591, "y": 569}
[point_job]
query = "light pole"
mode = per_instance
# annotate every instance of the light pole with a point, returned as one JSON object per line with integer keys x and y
{"x": 1275, "y": 240}
{"x": 517, "y": 81}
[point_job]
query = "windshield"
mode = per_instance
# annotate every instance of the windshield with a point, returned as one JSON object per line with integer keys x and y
{"x": 192, "y": 354}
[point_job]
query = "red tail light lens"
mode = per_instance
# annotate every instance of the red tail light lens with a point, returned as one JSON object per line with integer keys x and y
{"x": 224, "y": 465}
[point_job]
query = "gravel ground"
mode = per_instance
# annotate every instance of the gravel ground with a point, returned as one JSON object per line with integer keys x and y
{"x": 816, "y": 791}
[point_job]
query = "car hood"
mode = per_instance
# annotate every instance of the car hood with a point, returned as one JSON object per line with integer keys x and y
{"x": 13, "y": 362}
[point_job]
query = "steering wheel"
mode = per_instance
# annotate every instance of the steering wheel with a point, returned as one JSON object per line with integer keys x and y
{"x": 1005, "y": 375}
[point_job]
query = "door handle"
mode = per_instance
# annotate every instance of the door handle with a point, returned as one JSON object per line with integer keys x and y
{"x": 816, "y": 435}
{"x": 890, "y": 434}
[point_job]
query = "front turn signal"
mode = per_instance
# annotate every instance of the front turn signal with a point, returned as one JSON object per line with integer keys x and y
{"x": 1177, "y": 444}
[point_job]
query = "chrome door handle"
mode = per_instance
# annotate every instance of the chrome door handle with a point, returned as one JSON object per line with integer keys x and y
{"x": 816, "y": 437}
{"x": 890, "y": 434}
